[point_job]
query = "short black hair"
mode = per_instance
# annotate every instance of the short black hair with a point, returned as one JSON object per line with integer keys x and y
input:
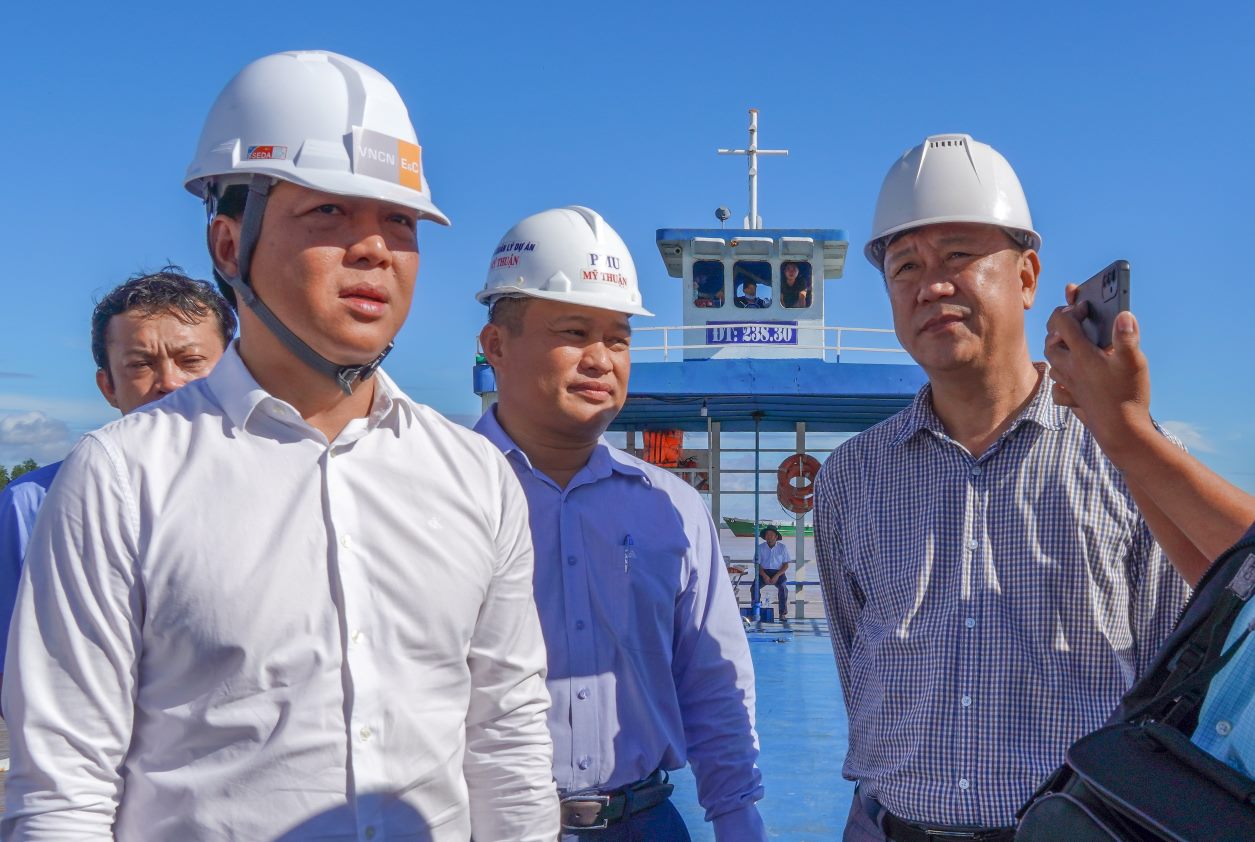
{"x": 507, "y": 312}
{"x": 167, "y": 290}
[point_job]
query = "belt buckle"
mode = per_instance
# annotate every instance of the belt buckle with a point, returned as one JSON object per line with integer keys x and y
{"x": 603, "y": 800}
{"x": 976, "y": 835}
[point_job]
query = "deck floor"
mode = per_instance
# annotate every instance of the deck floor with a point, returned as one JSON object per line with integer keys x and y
{"x": 803, "y": 736}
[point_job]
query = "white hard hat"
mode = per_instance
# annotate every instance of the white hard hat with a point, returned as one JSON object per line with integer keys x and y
{"x": 320, "y": 120}
{"x": 949, "y": 178}
{"x": 565, "y": 254}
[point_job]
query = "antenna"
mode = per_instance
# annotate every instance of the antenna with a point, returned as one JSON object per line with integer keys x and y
{"x": 722, "y": 214}
{"x": 753, "y": 222}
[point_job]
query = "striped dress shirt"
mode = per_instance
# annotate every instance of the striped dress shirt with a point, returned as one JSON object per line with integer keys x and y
{"x": 985, "y": 611}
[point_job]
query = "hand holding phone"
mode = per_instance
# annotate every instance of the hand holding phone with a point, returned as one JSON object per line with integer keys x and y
{"x": 1106, "y": 296}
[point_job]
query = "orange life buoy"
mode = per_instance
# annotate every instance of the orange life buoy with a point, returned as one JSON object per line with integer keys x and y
{"x": 795, "y": 482}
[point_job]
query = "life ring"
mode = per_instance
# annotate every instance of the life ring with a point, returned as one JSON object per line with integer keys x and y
{"x": 802, "y": 469}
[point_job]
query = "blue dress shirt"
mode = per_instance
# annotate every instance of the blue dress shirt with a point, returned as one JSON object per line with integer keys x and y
{"x": 19, "y": 503}
{"x": 648, "y": 662}
{"x": 1226, "y": 722}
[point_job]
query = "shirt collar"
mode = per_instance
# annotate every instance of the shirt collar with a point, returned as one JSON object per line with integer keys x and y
{"x": 1041, "y": 410}
{"x": 603, "y": 461}
{"x": 240, "y": 394}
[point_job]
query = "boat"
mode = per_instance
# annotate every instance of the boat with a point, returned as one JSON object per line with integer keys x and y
{"x": 743, "y": 528}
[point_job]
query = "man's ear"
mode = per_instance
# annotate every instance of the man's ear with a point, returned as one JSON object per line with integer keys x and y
{"x": 492, "y": 339}
{"x": 224, "y": 244}
{"x": 1030, "y": 271}
{"x": 105, "y": 384}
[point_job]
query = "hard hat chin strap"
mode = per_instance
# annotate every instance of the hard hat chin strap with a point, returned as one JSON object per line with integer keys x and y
{"x": 345, "y": 376}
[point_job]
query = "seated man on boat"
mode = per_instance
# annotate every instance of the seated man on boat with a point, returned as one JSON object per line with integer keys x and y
{"x": 772, "y": 557}
{"x": 221, "y": 631}
{"x": 991, "y": 584}
{"x": 149, "y": 336}
{"x": 649, "y": 667}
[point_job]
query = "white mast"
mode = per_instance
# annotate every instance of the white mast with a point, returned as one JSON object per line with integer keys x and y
{"x": 753, "y": 222}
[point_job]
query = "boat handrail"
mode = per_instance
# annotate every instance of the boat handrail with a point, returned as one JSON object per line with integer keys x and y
{"x": 836, "y": 346}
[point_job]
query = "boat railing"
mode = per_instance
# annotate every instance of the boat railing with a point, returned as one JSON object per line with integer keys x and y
{"x": 832, "y": 340}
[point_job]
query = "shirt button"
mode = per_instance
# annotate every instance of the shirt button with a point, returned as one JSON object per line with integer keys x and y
{"x": 571, "y": 560}
{"x": 970, "y": 622}
{"x": 579, "y": 625}
{"x": 973, "y": 544}
{"x": 976, "y": 471}
{"x": 585, "y": 762}
{"x": 365, "y": 732}
{"x": 346, "y": 541}
{"x": 357, "y": 636}
{"x": 370, "y": 832}
{"x": 583, "y": 694}
{"x": 966, "y": 701}
{"x": 964, "y": 784}
{"x": 1223, "y": 727}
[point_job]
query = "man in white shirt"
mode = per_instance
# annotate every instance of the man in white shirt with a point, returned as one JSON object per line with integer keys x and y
{"x": 773, "y": 560}
{"x": 222, "y": 631}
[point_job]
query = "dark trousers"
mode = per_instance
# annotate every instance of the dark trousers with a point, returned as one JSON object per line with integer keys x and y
{"x": 662, "y": 823}
{"x": 863, "y": 825}
{"x": 782, "y": 593}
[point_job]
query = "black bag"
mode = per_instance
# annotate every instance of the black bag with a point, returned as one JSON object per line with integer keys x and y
{"x": 1139, "y": 778}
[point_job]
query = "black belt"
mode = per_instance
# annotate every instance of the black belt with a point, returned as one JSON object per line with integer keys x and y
{"x": 599, "y": 810}
{"x": 900, "y": 830}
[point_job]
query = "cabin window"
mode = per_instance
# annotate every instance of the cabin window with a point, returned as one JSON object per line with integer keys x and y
{"x": 708, "y": 283}
{"x": 795, "y": 284}
{"x": 752, "y": 280}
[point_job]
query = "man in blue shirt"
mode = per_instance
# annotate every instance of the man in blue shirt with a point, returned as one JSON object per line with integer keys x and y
{"x": 1110, "y": 390}
{"x": 648, "y": 663}
{"x": 149, "y": 336}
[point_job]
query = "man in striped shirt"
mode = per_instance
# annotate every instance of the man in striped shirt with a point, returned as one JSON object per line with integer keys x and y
{"x": 990, "y": 579}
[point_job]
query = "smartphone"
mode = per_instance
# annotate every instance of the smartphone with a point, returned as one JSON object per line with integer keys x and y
{"x": 1107, "y": 295}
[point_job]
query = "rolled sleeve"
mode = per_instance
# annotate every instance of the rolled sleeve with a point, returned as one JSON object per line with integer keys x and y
{"x": 73, "y": 656}
{"x": 714, "y": 680}
{"x": 509, "y": 753}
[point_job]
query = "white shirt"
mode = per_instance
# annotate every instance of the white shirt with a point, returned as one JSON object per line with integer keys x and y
{"x": 230, "y": 629}
{"x": 772, "y": 558}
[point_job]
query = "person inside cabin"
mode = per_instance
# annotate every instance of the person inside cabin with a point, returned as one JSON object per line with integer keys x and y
{"x": 795, "y": 290}
{"x": 221, "y": 631}
{"x": 1110, "y": 390}
{"x": 749, "y": 296}
{"x": 708, "y": 284}
{"x": 149, "y": 336}
{"x": 772, "y": 558}
{"x": 990, "y": 578}
{"x": 649, "y": 667}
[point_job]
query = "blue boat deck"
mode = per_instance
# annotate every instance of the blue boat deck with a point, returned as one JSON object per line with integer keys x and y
{"x": 803, "y": 735}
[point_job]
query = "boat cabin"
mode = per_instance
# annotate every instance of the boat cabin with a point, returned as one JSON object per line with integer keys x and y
{"x": 756, "y": 292}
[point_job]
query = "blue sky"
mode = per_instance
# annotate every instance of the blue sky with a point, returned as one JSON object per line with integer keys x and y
{"x": 1129, "y": 123}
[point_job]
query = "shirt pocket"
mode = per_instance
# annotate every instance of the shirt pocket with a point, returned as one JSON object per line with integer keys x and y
{"x": 634, "y": 592}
